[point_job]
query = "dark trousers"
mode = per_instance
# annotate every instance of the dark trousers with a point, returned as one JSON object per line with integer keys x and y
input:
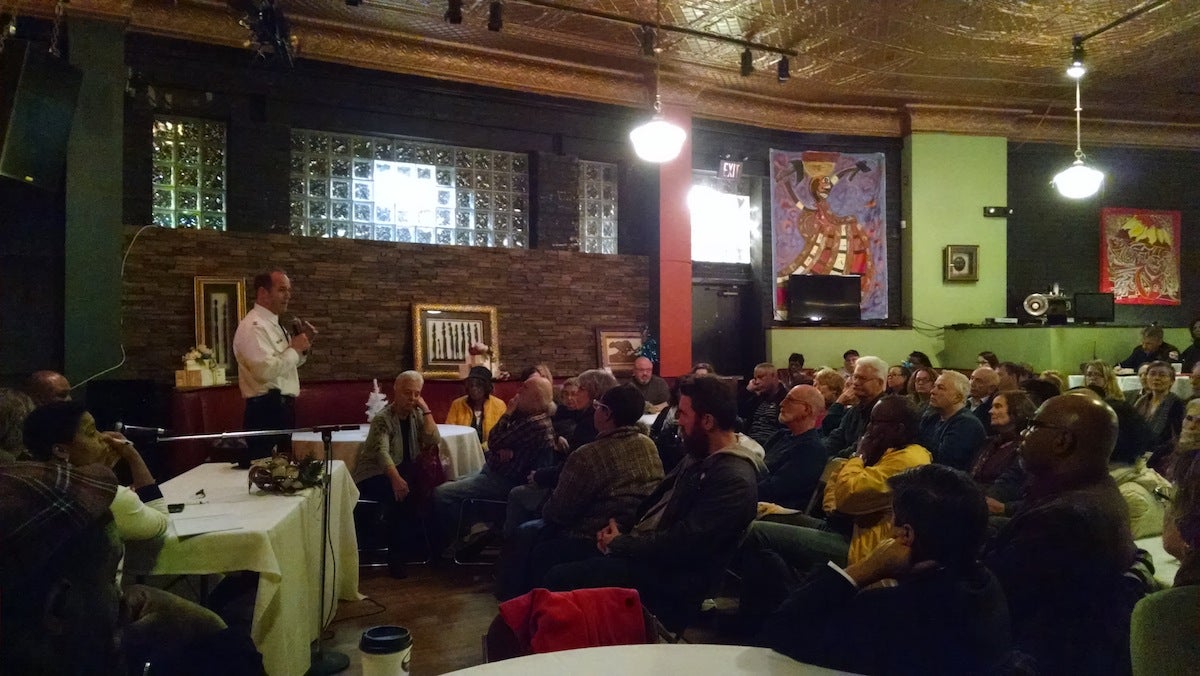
{"x": 270, "y": 411}
{"x": 402, "y": 521}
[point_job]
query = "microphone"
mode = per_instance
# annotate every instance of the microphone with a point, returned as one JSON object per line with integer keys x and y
{"x": 297, "y": 326}
{"x": 122, "y": 427}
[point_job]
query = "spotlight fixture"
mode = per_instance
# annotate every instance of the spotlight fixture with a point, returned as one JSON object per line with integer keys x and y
{"x": 495, "y": 16}
{"x": 747, "y": 63}
{"x": 454, "y": 11}
{"x": 783, "y": 71}
{"x": 1078, "y": 181}
{"x": 647, "y": 40}
{"x": 1077, "y": 69}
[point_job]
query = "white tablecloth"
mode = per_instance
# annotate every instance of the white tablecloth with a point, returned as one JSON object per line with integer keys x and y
{"x": 1182, "y": 387}
{"x": 460, "y": 447}
{"x": 648, "y": 419}
{"x": 280, "y": 539}
{"x": 1165, "y": 565}
{"x": 651, "y": 660}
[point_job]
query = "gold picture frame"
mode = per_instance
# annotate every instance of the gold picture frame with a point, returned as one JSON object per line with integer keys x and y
{"x": 220, "y": 304}
{"x": 960, "y": 263}
{"x": 616, "y": 349}
{"x": 443, "y": 334}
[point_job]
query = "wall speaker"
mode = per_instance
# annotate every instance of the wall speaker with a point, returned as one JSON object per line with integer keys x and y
{"x": 37, "y": 103}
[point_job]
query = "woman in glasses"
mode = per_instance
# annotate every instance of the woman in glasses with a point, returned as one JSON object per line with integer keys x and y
{"x": 1162, "y": 410}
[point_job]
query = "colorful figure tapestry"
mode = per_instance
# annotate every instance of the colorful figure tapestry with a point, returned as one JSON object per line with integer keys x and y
{"x": 827, "y": 215}
{"x": 1139, "y": 256}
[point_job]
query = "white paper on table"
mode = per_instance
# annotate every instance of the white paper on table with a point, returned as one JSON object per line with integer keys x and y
{"x": 195, "y": 525}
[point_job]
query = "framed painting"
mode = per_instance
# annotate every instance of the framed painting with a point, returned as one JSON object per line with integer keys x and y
{"x": 1139, "y": 256}
{"x": 960, "y": 263}
{"x": 617, "y": 348}
{"x": 220, "y": 305}
{"x": 443, "y": 336}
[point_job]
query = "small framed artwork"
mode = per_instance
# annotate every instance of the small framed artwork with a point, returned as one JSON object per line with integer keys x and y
{"x": 443, "y": 336}
{"x": 616, "y": 349}
{"x": 960, "y": 263}
{"x": 220, "y": 305}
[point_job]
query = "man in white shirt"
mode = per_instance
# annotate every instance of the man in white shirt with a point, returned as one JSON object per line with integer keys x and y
{"x": 268, "y": 357}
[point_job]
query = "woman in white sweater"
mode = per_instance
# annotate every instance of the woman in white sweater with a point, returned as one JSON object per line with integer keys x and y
{"x": 63, "y": 431}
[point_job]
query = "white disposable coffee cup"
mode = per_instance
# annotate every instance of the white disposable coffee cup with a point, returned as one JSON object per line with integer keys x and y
{"x": 386, "y": 651}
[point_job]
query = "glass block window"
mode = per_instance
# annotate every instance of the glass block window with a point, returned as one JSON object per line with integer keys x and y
{"x": 188, "y": 173}
{"x": 597, "y": 207}
{"x": 399, "y": 190}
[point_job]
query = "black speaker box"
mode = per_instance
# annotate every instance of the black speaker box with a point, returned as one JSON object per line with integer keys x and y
{"x": 37, "y": 102}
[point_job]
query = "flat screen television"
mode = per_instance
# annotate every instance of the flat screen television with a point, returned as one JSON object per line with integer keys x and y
{"x": 824, "y": 299}
{"x": 1091, "y": 308}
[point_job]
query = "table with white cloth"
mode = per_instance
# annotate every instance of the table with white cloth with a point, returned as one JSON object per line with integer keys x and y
{"x": 278, "y": 537}
{"x": 460, "y": 447}
{"x": 1165, "y": 565}
{"x": 1182, "y": 387}
{"x": 652, "y": 660}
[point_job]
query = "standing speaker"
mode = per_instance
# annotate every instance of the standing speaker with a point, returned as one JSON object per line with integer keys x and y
{"x": 37, "y": 102}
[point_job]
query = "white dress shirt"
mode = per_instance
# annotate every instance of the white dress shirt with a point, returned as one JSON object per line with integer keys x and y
{"x": 265, "y": 359}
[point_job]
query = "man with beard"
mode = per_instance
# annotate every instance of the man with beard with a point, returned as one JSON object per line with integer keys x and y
{"x": 867, "y": 384}
{"x": 653, "y": 388}
{"x": 685, "y": 532}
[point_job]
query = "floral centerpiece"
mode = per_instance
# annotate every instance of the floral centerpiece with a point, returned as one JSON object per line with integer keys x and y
{"x": 281, "y": 474}
{"x": 200, "y": 368}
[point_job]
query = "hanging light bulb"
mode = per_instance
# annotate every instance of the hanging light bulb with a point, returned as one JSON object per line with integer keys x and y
{"x": 1078, "y": 181}
{"x": 1077, "y": 68}
{"x": 658, "y": 140}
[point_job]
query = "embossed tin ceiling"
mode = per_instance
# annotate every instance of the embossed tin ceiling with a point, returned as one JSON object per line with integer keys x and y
{"x": 991, "y": 53}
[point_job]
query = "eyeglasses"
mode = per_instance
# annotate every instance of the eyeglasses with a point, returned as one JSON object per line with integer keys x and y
{"x": 598, "y": 405}
{"x": 1038, "y": 424}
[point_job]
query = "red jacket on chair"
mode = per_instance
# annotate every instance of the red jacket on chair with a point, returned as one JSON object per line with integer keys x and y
{"x": 545, "y": 621}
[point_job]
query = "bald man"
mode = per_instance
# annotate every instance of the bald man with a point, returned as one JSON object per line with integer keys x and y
{"x": 1062, "y": 557}
{"x": 47, "y": 386}
{"x": 985, "y": 383}
{"x": 521, "y": 441}
{"x": 795, "y": 456}
{"x": 653, "y": 388}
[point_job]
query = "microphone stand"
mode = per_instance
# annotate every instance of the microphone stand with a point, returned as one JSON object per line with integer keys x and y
{"x": 323, "y": 661}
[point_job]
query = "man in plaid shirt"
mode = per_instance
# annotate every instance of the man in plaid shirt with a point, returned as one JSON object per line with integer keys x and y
{"x": 521, "y": 441}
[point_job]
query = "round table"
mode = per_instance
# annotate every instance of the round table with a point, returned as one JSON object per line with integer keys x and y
{"x": 460, "y": 447}
{"x": 1182, "y": 387}
{"x": 651, "y": 660}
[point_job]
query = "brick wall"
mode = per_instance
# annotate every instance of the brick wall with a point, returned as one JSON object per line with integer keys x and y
{"x": 359, "y": 295}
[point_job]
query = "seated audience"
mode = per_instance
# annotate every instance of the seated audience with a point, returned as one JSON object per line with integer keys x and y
{"x": 703, "y": 368}
{"x": 831, "y": 385}
{"x": 593, "y": 383}
{"x": 387, "y": 473}
{"x": 14, "y": 408}
{"x": 760, "y": 411}
{"x": 917, "y": 359}
{"x": 652, "y": 387}
{"x": 1011, "y": 412}
{"x": 946, "y": 614}
{"x": 478, "y": 408}
{"x": 897, "y": 380}
{"x": 685, "y": 532}
{"x": 1012, "y": 375}
{"x": 47, "y": 386}
{"x": 1145, "y": 491}
{"x": 540, "y": 368}
{"x": 1194, "y": 379}
{"x": 1132, "y": 396}
{"x": 665, "y": 430}
{"x": 1061, "y": 559}
{"x": 985, "y": 383}
{"x": 988, "y": 359}
{"x": 948, "y": 429}
{"x": 1163, "y": 628}
{"x": 1039, "y": 390}
{"x": 1152, "y": 348}
{"x": 1055, "y": 378}
{"x": 849, "y": 359}
{"x": 1097, "y": 373}
{"x": 866, "y": 385}
{"x": 1186, "y": 449}
{"x": 1191, "y": 354}
{"x": 857, "y": 504}
{"x": 574, "y": 406}
{"x": 521, "y": 441}
{"x": 63, "y": 431}
{"x": 795, "y": 456}
{"x": 795, "y": 372}
{"x": 1161, "y": 409}
{"x": 920, "y": 385}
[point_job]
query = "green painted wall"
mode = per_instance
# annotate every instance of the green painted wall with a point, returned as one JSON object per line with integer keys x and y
{"x": 92, "y": 331}
{"x": 948, "y": 180}
{"x": 824, "y": 346}
{"x": 1061, "y": 348}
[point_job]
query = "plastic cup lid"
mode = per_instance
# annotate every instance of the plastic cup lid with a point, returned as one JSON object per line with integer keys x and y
{"x": 384, "y": 639}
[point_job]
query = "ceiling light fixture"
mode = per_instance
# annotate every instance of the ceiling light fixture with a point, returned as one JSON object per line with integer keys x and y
{"x": 454, "y": 11}
{"x": 1077, "y": 69}
{"x": 1078, "y": 181}
{"x": 495, "y": 16}
{"x": 783, "y": 70}
{"x": 747, "y": 63}
{"x": 658, "y": 140}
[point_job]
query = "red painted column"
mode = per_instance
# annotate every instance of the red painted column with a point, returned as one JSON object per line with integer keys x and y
{"x": 675, "y": 254}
